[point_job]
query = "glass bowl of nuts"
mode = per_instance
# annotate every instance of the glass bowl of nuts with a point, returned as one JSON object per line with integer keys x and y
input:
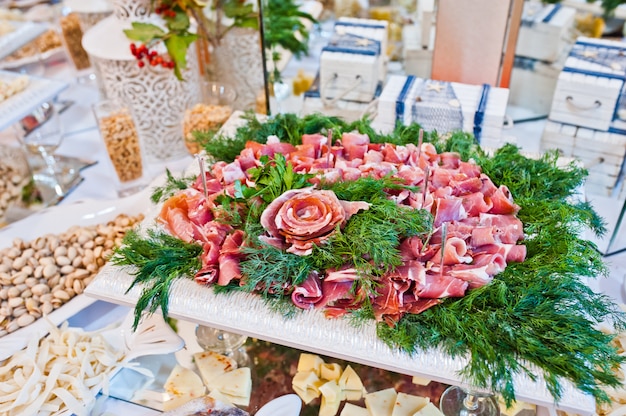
{"x": 203, "y": 119}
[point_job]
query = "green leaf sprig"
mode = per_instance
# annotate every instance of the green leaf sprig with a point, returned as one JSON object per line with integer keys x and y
{"x": 170, "y": 187}
{"x": 159, "y": 259}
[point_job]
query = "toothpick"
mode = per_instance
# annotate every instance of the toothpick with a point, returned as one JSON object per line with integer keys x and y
{"x": 425, "y": 189}
{"x": 203, "y": 175}
{"x": 444, "y": 236}
{"x": 419, "y": 144}
{"x": 329, "y": 143}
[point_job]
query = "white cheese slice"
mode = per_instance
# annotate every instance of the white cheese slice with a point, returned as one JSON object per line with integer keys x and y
{"x": 330, "y": 371}
{"x": 305, "y": 384}
{"x": 429, "y": 410}
{"x": 236, "y": 383}
{"x": 329, "y": 408}
{"x": 381, "y": 403}
{"x": 212, "y": 365}
{"x": 408, "y": 404}
{"x": 217, "y": 395}
{"x": 310, "y": 362}
{"x": 350, "y": 409}
{"x": 351, "y": 384}
{"x": 182, "y": 385}
{"x": 331, "y": 391}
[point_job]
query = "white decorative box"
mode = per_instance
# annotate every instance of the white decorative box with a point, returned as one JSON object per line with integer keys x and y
{"x": 443, "y": 106}
{"x": 417, "y": 58}
{"x": 367, "y": 28}
{"x": 546, "y": 29}
{"x": 313, "y": 102}
{"x": 533, "y": 83}
{"x": 591, "y": 84}
{"x": 601, "y": 152}
{"x": 350, "y": 68}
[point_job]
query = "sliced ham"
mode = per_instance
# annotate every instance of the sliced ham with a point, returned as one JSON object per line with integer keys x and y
{"x": 348, "y": 274}
{"x": 449, "y": 160}
{"x": 488, "y": 187}
{"x": 233, "y": 172}
{"x": 455, "y": 252}
{"x": 482, "y": 228}
{"x": 476, "y": 203}
{"x": 514, "y": 252}
{"x": 508, "y": 227}
{"x": 387, "y": 301}
{"x": 355, "y": 144}
{"x": 465, "y": 186}
{"x": 470, "y": 169}
{"x": 421, "y": 305}
{"x": 502, "y": 201}
{"x": 309, "y": 293}
{"x": 482, "y": 236}
{"x": 316, "y": 141}
{"x": 449, "y": 209}
{"x": 436, "y": 286}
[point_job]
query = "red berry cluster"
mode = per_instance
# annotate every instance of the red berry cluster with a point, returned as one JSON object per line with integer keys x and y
{"x": 165, "y": 10}
{"x": 151, "y": 57}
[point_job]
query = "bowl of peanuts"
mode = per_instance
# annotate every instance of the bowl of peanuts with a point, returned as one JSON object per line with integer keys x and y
{"x": 119, "y": 133}
{"x": 203, "y": 119}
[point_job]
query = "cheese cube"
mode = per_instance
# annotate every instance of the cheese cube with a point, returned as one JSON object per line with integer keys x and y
{"x": 304, "y": 383}
{"x": 310, "y": 362}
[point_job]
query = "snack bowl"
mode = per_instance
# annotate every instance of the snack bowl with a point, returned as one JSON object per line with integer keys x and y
{"x": 209, "y": 114}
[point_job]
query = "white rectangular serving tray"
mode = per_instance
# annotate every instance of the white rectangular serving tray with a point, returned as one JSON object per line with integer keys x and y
{"x": 24, "y": 102}
{"x": 24, "y": 33}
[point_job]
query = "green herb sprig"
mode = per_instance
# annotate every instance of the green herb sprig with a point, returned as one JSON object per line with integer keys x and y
{"x": 170, "y": 187}
{"x": 159, "y": 259}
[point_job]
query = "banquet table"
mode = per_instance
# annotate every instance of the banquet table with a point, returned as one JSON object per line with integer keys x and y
{"x": 82, "y": 140}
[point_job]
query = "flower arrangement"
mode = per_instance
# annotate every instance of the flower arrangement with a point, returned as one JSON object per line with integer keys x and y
{"x": 185, "y": 21}
{"x": 423, "y": 237}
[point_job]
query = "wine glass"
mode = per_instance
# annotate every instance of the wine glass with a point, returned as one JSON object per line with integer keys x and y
{"x": 41, "y": 134}
{"x": 461, "y": 401}
{"x": 223, "y": 342}
{"x": 282, "y": 91}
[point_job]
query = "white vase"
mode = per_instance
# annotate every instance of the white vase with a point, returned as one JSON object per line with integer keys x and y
{"x": 155, "y": 96}
{"x": 238, "y": 61}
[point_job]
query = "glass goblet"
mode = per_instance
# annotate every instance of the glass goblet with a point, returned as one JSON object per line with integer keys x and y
{"x": 41, "y": 134}
{"x": 223, "y": 342}
{"x": 459, "y": 401}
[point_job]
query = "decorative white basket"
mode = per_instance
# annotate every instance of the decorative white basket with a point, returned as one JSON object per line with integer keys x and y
{"x": 155, "y": 96}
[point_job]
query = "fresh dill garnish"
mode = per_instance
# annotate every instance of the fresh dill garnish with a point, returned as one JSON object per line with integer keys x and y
{"x": 159, "y": 259}
{"x": 171, "y": 186}
{"x": 225, "y": 148}
{"x": 370, "y": 240}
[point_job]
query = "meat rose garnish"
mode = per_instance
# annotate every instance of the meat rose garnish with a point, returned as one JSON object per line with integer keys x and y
{"x": 301, "y": 218}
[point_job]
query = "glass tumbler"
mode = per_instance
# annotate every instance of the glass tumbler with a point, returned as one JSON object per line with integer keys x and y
{"x": 119, "y": 134}
{"x": 208, "y": 115}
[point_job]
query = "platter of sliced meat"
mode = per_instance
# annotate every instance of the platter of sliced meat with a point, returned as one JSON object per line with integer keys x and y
{"x": 288, "y": 241}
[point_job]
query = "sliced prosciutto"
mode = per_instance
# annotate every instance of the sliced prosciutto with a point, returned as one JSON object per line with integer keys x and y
{"x": 483, "y": 231}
